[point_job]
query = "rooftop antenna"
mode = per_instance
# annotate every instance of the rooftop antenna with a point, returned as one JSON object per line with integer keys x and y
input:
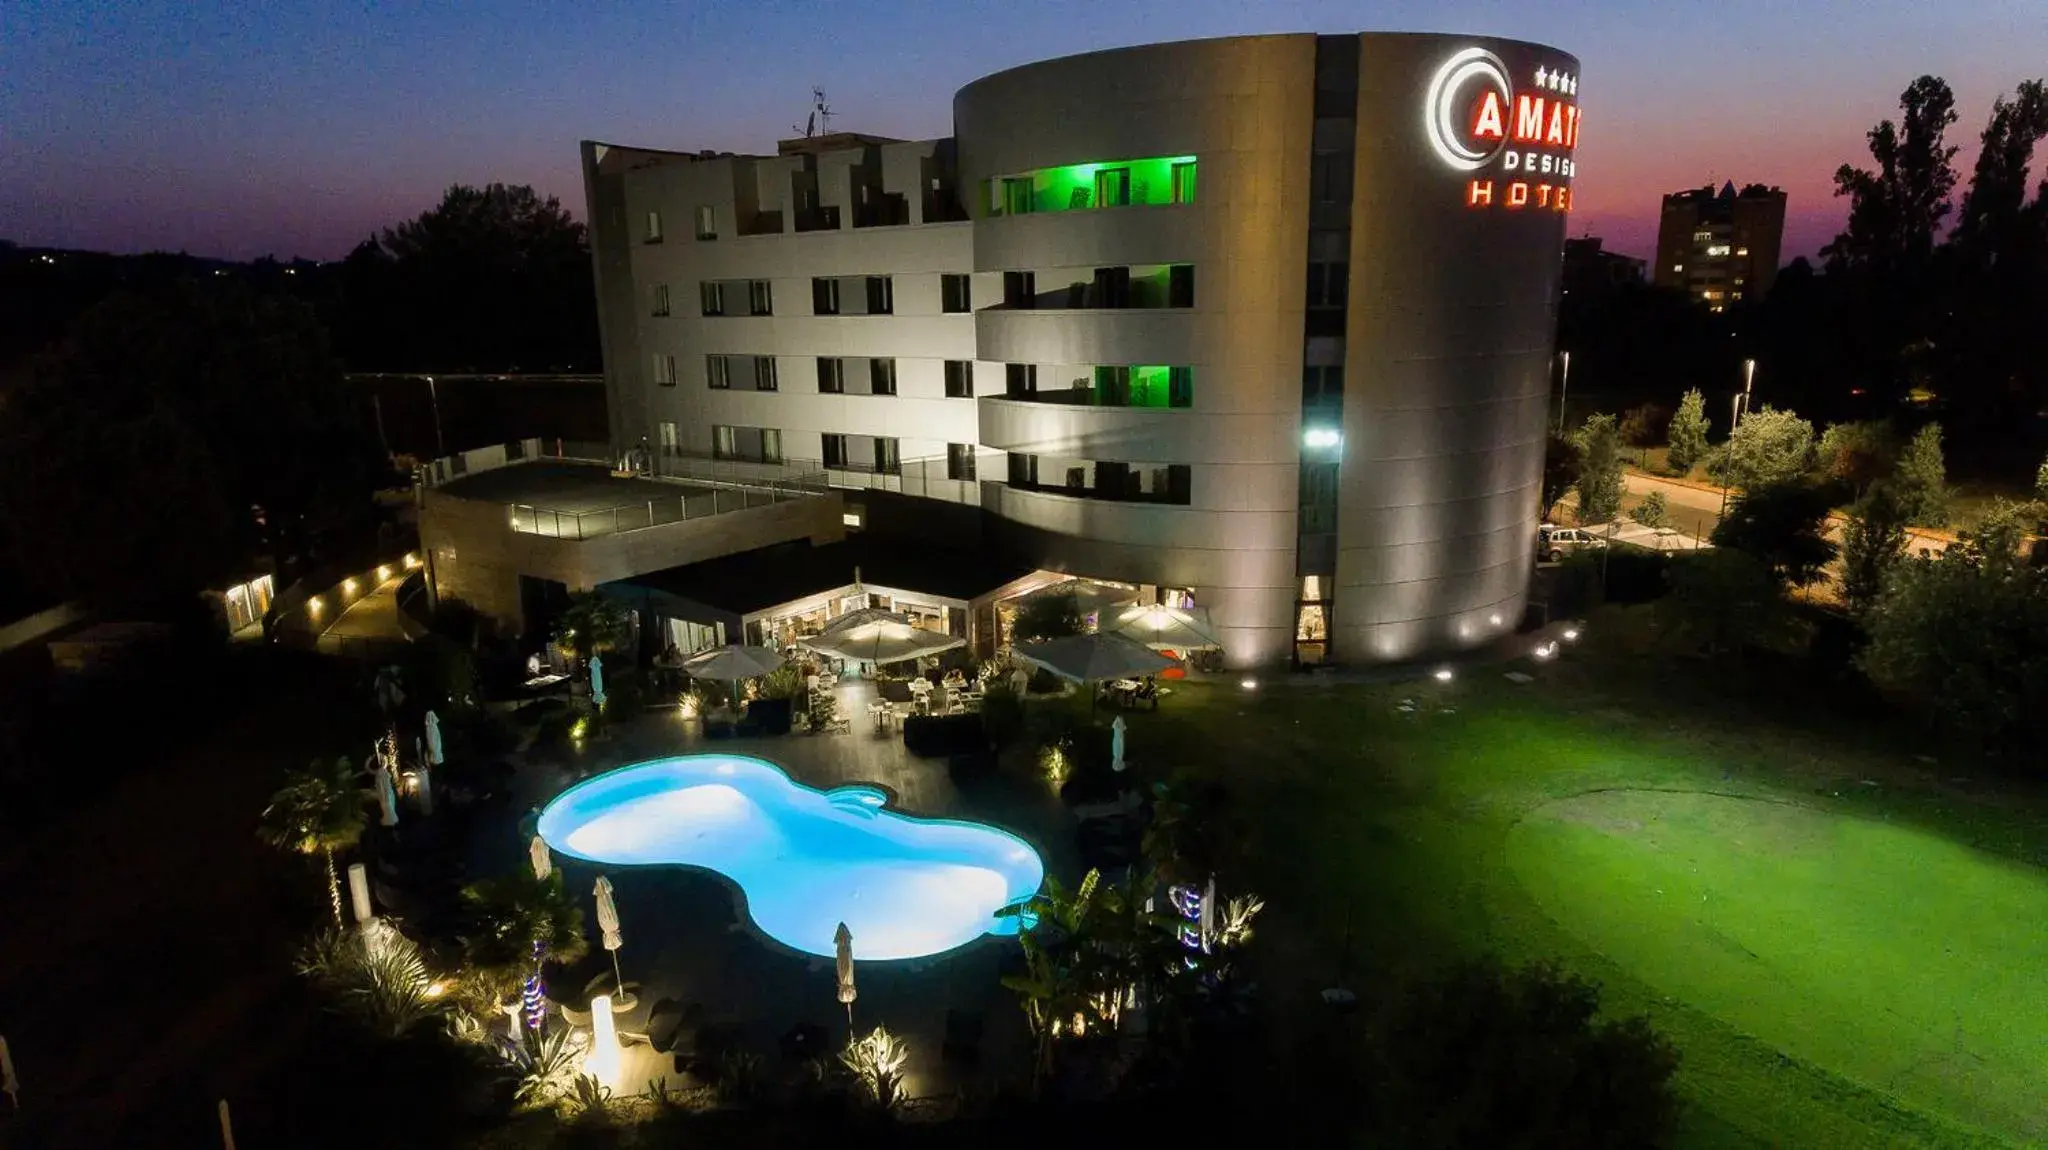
{"x": 820, "y": 118}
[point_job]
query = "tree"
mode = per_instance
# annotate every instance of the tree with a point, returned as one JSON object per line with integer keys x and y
{"x": 171, "y": 439}
{"x": 518, "y": 922}
{"x": 1767, "y": 447}
{"x": 1600, "y": 482}
{"x": 1997, "y": 279}
{"x": 1651, "y": 511}
{"x": 590, "y": 625}
{"x": 1967, "y": 631}
{"x": 1482, "y": 1055}
{"x": 1783, "y": 526}
{"x": 492, "y": 278}
{"x": 1688, "y": 433}
{"x": 2041, "y": 482}
{"x": 1561, "y": 463}
{"x": 1047, "y": 617}
{"x": 1921, "y": 480}
{"x": 1723, "y": 601}
{"x": 1872, "y": 546}
{"x": 1644, "y": 424}
{"x": 318, "y": 810}
{"x": 1896, "y": 211}
{"x": 1857, "y": 455}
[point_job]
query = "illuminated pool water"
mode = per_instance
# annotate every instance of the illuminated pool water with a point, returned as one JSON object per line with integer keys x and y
{"x": 805, "y": 860}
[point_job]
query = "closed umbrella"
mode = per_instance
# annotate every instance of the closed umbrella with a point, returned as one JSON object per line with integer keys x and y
{"x": 433, "y": 739}
{"x": 842, "y": 943}
{"x": 537, "y": 855}
{"x": 1116, "y": 744}
{"x": 608, "y": 927}
{"x": 387, "y": 797}
{"x": 8, "y": 1082}
{"x": 1166, "y": 628}
{"x": 597, "y": 680}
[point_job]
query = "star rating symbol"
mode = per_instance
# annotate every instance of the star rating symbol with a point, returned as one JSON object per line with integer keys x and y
{"x": 1557, "y": 81}
{"x": 1543, "y": 78}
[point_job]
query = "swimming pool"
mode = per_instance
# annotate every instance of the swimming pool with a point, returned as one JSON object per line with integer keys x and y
{"x": 805, "y": 860}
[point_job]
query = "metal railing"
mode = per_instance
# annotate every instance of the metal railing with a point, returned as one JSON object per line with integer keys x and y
{"x": 531, "y": 519}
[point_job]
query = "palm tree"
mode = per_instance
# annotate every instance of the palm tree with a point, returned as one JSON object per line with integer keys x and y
{"x": 1060, "y": 989}
{"x": 590, "y": 625}
{"x": 318, "y": 810}
{"x": 518, "y": 922}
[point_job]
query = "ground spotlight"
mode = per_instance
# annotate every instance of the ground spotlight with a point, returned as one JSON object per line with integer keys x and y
{"x": 1443, "y": 674}
{"x": 1248, "y": 684}
{"x": 1571, "y": 634}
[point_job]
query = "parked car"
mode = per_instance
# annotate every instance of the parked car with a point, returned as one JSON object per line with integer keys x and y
{"x": 1553, "y": 543}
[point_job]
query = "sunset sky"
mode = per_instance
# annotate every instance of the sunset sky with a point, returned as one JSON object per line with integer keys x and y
{"x": 297, "y": 128}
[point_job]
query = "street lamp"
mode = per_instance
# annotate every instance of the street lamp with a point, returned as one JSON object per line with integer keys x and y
{"x": 434, "y": 398}
{"x": 1742, "y": 401}
{"x": 1564, "y": 384}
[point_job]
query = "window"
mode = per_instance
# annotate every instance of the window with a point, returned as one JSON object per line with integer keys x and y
{"x": 1329, "y": 178}
{"x": 712, "y": 296}
{"x": 1112, "y": 287}
{"x": 959, "y": 379}
{"x": 955, "y": 294}
{"x": 764, "y": 373}
{"x": 1020, "y": 379}
{"x": 1328, "y": 284}
{"x": 1184, "y": 182}
{"x": 881, "y": 295}
{"x": 771, "y": 445}
{"x": 831, "y": 376}
{"x": 717, "y": 372}
{"x": 1180, "y": 285}
{"x": 1016, "y": 195}
{"x": 1020, "y": 289}
{"x": 1180, "y": 387}
{"x": 1112, "y": 187}
{"x": 882, "y": 377}
{"x": 959, "y": 461}
{"x": 666, "y": 434}
{"x": 724, "y": 442}
{"x": 824, "y": 296}
{"x": 1676, "y": 268}
{"x": 759, "y": 299}
{"x": 665, "y": 370}
{"x": 1321, "y": 385}
{"x": 887, "y": 459}
{"x": 654, "y": 227}
{"x": 707, "y": 223}
{"x": 660, "y": 299}
{"x": 834, "y": 449}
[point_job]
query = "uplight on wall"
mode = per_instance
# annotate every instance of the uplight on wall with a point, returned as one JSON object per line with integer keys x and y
{"x": 1322, "y": 438}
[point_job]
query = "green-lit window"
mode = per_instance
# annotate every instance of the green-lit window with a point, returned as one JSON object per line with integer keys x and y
{"x": 1016, "y": 193}
{"x": 1184, "y": 182}
{"x": 1111, "y": 184}
{"x": 1112, "y": 187}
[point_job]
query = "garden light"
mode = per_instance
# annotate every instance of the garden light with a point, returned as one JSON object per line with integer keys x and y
{"x": 1571, "y": 634}
{"x": 1248, "y": 684}
{"x": 314, "y": 604}
{"x": 348, "y": 585}
{"x": 1443, "y": 674}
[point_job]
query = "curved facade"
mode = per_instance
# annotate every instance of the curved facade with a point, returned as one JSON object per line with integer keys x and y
{"x": 1266, "y": 318}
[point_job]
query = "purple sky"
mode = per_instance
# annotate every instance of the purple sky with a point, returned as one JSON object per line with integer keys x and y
{"x": 239, "y": 128}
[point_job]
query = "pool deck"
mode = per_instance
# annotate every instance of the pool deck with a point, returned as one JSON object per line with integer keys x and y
{"x": 685, "y": 938}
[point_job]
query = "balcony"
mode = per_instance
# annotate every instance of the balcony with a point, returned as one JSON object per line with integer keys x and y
{"x": 1081, "y": 187}
{"x": 1085, "y": 337}
{"x": 1165, "y": 483}
{"x": 1147, "y": 386}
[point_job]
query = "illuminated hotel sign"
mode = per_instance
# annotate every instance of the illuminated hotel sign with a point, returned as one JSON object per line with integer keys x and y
{"x": 1516, "y": 142}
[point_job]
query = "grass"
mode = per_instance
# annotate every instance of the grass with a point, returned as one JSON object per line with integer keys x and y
{"x": 1859, "y": 972}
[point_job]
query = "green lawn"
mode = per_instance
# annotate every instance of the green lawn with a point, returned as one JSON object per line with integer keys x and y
{"x": 1845, "y": 944}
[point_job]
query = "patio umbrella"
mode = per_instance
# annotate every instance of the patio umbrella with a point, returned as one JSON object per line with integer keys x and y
{"x": 731, "y": 663}
{"x": 1116, "y": 744}
{"x": 387, "y": 796}
{"x": 537, "y": 855}
{"x": 1089, "y": 597}
{"x": 433, "y": 740}
{"x": 890, "y": 638}
{"x": 854, "y": 619}
{"x": 1093, "y": 658}
{"x": 608, "y": 927}
{"x": 842, "y": 944}
{"x": 597, "y": 680}
{"x": 1168, "y": 628}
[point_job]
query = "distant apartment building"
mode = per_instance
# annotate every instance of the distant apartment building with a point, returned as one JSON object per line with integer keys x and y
{"x": 1720, "y": 248}
{"x": 1589, "y": 267}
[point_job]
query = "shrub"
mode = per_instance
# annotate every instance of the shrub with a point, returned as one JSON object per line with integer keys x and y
{"x": 1768, "y": 447}
{"x": 782, "y": 682}
{"x": 1723, "y": 601}
{"x": 1651, "y": 511}
{"x": 1921, "y": 479}
{"x": 1644, "y": 425}
{"x": 1688, "y": 433}
{"x": 1600, "y": 483}
{"x": 1784, "y": 526}
{"x": 1488, "y": 1056}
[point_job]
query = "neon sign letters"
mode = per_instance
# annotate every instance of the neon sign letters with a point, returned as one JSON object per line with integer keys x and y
{"x": 1516, "y": 145}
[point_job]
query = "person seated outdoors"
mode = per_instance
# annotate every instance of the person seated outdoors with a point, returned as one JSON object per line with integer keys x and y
{"x": 1146, "y": 695}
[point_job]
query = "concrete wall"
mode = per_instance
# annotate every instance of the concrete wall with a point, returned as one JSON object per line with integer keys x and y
{"x": 1453, "y": 317}
{"x": 1242, "y": 108}
{"x": 473, "y": 554}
